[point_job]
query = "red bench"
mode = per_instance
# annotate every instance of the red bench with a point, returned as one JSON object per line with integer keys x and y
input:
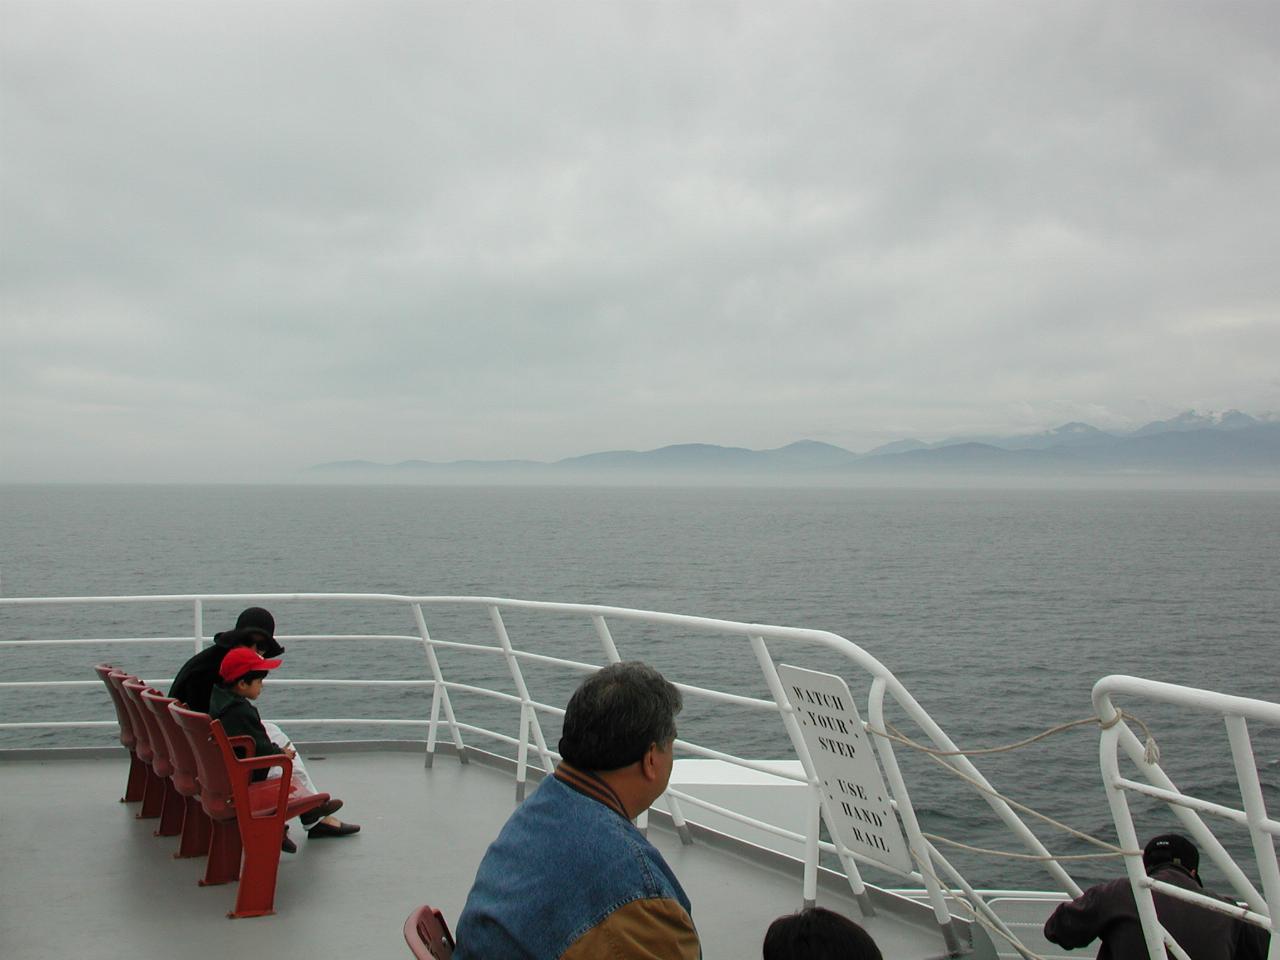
{"x": 172, "y": 806}
{"x": 137, "y": 769}
{"x": 184, "y": 776}
{"x": 247, "y": 817}
{"x": 152, "y": 787}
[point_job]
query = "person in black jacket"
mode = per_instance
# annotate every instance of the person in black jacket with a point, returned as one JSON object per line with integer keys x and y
{"x": 1108, "y": 911}
{"x": 255, "y": 627}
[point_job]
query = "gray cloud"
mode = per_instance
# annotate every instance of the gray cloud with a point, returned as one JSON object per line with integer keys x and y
{"x": 240, "y": 238}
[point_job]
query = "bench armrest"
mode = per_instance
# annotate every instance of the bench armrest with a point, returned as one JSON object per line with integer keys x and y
{"x": 245, "y": 742}
{"x": 266, "y": 762}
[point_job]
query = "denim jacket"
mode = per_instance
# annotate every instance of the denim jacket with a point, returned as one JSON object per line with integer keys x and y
{"x": 571, "y": 877}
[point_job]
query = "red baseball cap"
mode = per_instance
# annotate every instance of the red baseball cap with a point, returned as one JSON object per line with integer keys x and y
{"x": 242, "y": 660}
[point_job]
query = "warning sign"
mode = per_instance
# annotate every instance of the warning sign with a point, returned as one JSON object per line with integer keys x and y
{"x": 857, "y": 803}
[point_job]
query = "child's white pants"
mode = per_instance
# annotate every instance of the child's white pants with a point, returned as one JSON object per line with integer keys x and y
{"x": 300, "y": 775}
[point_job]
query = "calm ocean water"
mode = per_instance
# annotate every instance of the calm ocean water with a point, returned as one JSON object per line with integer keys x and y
{"x": 997, "y": 609}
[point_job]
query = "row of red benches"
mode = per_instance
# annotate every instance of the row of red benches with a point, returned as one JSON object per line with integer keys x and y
{"x": 184, "y": 770}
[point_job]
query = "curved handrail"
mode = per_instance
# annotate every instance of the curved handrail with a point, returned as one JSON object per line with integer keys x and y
{"x": 1263, "y": 908}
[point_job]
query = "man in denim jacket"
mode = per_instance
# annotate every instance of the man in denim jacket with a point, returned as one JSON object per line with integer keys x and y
{"x": 570, "y": 876}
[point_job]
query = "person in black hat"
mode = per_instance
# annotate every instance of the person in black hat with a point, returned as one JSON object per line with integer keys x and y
{"x": 255, "y": 630}
{"x": 1109, "y": 912}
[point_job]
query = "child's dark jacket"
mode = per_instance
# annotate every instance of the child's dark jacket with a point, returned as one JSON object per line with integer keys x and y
{"x": 240, "y": 718}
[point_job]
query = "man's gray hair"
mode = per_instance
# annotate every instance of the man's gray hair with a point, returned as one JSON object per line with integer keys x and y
{"x": 616, "y": 714}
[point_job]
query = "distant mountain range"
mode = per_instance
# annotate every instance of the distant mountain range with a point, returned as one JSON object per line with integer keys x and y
{"x": 1194, "y": 443}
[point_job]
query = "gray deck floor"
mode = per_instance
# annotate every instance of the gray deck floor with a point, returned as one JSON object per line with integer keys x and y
{"x": 81, "y": 877}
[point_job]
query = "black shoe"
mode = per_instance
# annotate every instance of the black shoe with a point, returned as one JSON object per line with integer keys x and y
{"x": 326, "y": 809}
{"x": 287, "y": 845}
{"x": 327, "y": 830}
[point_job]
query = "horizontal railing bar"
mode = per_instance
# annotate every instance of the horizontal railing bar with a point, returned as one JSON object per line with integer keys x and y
{"x": 483, "y": 732}
{"x": 57, "y": 724}
{"x": 291, "y": 638}
{"x": 351, "y": 721}
{"x": 95, "y": 642}
{"x": 280, "y": 682}
{"x": 704, "y": 624}
{"x": 482, "y": 691}
{"x": 1195, "y": 803}
{"x": 460, "y": 645}
{"x": 722, "y": 696}
{"x": 556, "y": 661}
{"x": 762, "y": 766}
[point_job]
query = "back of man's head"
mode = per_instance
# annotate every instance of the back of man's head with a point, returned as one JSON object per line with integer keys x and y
{"x": 617, "y": 714}
{"x": 1171, "y": 848}
{"x": 818, "y": 934}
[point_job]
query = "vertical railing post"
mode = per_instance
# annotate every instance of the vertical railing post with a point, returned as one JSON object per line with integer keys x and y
{"x": 907, "y": 814}
{"x": 606, "y": 639}
{"x": 522, "y": 753}
{"x": 856, "y": 883}
{"x": 813, "y": 825}
{"x": 522, "y": 691}
{"x": 1255, "y": 811}
{"x": 439, "y": 695}
{"x": 197, "y": 616}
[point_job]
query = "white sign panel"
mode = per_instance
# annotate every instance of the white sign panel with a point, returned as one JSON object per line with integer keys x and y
{"x": 857, "y": 803}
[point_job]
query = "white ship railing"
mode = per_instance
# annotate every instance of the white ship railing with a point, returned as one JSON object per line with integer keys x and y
{"x": 1262, "y": 908}
{"x": 932, "y": 871}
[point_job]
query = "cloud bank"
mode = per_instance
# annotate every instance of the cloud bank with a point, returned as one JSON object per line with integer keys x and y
{"x": 241, "y": 238}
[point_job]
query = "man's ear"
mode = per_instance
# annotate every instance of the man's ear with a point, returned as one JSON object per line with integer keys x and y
{"x": 649, "y": 762}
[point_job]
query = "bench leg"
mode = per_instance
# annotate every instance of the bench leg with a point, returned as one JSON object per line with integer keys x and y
{"x": 196, "y": 831}
{"x": 224, "y": 854}
{"x": 134, "y": 786}
{"x": 172, "y": 808}
{"x": 152, "y": 796}
{"x": 256, "y": 896}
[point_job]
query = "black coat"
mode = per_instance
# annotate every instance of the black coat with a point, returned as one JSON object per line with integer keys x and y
{"x": 1108, "y": 911}
{"x": 195, "y": 680}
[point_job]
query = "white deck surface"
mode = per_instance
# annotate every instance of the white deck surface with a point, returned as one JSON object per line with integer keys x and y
{"x": 81, "y": 877}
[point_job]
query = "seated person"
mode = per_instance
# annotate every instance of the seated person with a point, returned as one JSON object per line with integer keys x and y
{"x": 570, "y": 876}
{"x": 1109, "y": 912}
{"x": 818, "y": 934}
{"x": 255, "y": 627}
{"x": 242, "y": 671}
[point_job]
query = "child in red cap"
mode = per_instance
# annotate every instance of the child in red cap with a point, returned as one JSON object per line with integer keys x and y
{"x": 231, "y": 701}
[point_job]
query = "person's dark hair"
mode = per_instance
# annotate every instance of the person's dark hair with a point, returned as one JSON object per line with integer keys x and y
{"x": 616, "y": 714}
{"x": 818, "y": 934}
{"x": 250, "y": 676}
{"x": 1170, "y": 848}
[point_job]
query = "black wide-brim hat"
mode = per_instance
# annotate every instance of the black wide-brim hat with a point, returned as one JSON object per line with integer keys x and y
{"x": 261, "y": 622}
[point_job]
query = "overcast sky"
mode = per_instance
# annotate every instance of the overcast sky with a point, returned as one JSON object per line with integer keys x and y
{"x": 241, "y": 238}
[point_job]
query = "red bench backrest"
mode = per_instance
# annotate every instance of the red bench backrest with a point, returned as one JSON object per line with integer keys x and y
{"x": 215, "y": 786}
{"x": 127, "y": 738}
{"x": 160, "y": 762}
{"x": 142, "y": 736}
{"x": 185, "y": 775}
